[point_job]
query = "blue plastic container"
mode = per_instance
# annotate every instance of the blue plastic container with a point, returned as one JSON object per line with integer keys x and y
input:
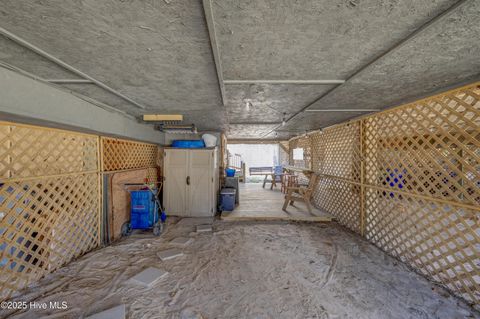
{"x": 230, "y": 172}
{"x": 143, "y": 209}
{"x": 227, "y": 199}
{"x": 188, "y": 143}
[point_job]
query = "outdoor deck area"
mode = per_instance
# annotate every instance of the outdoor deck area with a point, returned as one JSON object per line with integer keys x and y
{"x": 257, "y": 203}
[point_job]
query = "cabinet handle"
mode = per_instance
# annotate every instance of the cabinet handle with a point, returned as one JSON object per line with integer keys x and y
{"x": 188, "y": 180}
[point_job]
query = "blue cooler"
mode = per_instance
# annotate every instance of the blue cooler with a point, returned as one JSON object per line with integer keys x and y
{"x": 227, "y": 199}
{"x": 143, "y": 209}
{"x": 188, "y": 144}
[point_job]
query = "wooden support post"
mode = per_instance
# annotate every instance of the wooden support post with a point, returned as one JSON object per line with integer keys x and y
{"x": 362, "y": 179}
{"x": 100, "y": 188}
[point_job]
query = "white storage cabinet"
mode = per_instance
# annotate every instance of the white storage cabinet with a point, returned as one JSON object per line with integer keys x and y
{"x": 191, "y": 181}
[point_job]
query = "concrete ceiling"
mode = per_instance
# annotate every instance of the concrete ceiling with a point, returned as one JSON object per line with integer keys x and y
{"x": 159, "y": 54}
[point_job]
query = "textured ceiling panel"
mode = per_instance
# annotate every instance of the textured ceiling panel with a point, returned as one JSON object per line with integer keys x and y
{"x": 103, "y": 96}
{"x": 309, "y": 121}
{"x": 212, "y": 120}
{"x": 248, "y": 131}
{"x": 26, "y": 60}
{"x": 443, "y": 55}
{"x": 284, "y": 39}
{"x": 268, "y": 102}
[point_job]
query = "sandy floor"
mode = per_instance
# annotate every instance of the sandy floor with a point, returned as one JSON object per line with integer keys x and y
{"x": 257, "y": 203}
{"x": 247, "y": 270}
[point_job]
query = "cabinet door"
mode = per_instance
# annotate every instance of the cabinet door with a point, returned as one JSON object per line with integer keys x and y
{"x": 175, "y": 191}
{"x": 201, "y": 183}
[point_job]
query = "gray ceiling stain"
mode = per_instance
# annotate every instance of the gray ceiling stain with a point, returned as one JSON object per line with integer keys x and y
{"x": 158, "y": 53}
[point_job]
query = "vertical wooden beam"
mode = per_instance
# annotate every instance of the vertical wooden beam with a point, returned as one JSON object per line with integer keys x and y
{"x": 9, "y": 157}
{"x": 362, "y": 179}
{"x": 100, "y": 189}
{"x": 310, "y": 142}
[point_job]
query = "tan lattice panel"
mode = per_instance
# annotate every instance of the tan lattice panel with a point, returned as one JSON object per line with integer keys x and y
{"x": 28, "y": 151}
{"x": 430, "y": 147}
{"x": 340, "y": 199}
{"x": 152, "y": 175}
{"x": 336, "y": 151}
{"x": 121, "y": 154}
{"x": 421, "y": 180}
{"x": 440, "y": 240}
{"x": 45, "y": 223}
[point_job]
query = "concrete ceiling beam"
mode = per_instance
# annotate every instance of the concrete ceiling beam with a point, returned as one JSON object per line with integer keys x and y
{"x": 69, "y": 81}
{"x": 66, "y": 66}
{"x": 207, "y": 8}
{"x": 342, "y": 110}
{"x": 255, "y": 123}
{"x": 314, "y": 82}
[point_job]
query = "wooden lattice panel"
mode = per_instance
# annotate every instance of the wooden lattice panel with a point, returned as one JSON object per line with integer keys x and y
{"x": 152, "y": 174}
{"x": 440, "y": 240}
{"x": 45, "y": 223}
{"x": 336, "y": 151}
{"x": 417, "y": 193}
{"x": 430, "y": 147}
{"x": 121, "y": 154}
{"x": 28, "y": 151}
{"x": 340, "y": 199}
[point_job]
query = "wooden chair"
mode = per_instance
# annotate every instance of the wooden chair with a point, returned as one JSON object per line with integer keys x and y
{"x": 301, "y": 194}
{"x": 288, "y": 180}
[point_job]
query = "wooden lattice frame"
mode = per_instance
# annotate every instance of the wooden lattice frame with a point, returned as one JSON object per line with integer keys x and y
{"x": 49, "y": 201}
{"x": 440, "y": 240}
{"x": 408, "y": 179}
{"x": 30, "y": 151}
{"x": 431, "y": 147}
{"x": 120, "y": 154}
{"x": 336, "y": 156}
{"x": 341, "y": 199}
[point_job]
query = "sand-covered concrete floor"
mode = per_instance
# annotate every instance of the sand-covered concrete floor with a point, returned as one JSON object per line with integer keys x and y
{"x": 247, "y": 270}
